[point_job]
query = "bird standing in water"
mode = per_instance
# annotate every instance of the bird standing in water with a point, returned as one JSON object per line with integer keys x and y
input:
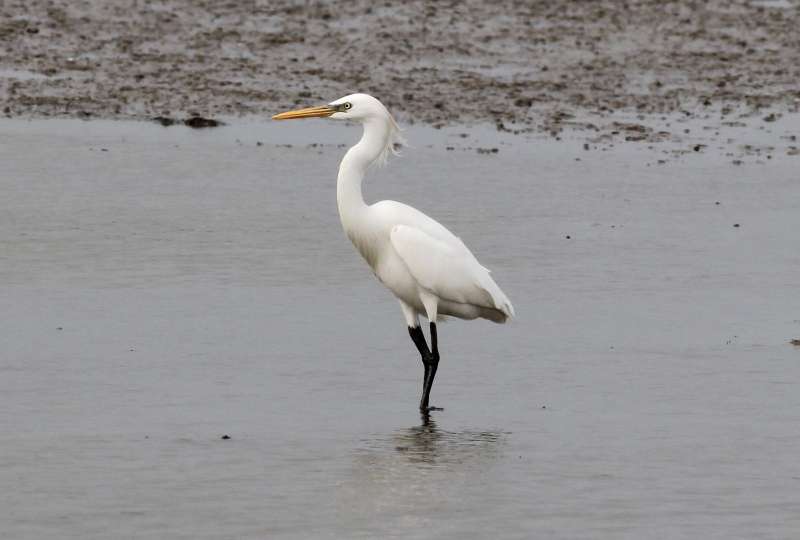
{"x": 428, "y": 268}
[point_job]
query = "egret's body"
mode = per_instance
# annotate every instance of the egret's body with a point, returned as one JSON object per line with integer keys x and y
{"x": 428, "y": 268}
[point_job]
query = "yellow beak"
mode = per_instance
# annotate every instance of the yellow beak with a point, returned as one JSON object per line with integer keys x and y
{"x": 309, "y": 112}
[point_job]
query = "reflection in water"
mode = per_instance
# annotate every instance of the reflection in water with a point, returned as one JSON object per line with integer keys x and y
{"x": 415, "y": 476}
{"x": 428, "y": 444}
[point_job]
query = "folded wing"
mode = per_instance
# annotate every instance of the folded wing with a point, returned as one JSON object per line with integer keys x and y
{"x": 448, "y": 269}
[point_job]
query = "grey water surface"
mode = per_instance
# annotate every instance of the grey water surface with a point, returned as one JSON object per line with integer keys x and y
{"x": 162, "y": 288}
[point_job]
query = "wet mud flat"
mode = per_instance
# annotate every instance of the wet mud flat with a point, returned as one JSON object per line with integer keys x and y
{"x": 521, "y": 66}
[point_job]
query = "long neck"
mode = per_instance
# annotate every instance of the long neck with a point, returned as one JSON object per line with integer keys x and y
{"x": 354, "y": 167}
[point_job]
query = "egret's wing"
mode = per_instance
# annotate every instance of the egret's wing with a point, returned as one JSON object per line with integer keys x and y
{"x": 448, "y": 269}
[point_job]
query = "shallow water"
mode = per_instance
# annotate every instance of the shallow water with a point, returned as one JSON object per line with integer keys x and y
{"x": 165, "y": 287}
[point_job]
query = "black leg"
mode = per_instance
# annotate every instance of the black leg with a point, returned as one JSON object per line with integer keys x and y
{"x": 419, "y": 340}
{"x": 430, "y": 371}
{"x": 422, "y": 346}
{"x": 430, "y": 361}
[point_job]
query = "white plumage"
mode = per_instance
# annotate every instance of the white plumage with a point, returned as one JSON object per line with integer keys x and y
{"x": 428, "y": 268}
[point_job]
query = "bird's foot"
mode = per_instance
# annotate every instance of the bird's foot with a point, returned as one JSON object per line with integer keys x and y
{"x": 430, "y": 409}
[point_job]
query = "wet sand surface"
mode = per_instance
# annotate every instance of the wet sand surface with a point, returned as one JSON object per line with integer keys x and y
{"x": 522, "y": 66}
{"x": 163, "y": 288}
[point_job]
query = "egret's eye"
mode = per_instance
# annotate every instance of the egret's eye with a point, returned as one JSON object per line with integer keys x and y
{"x": 348, "y": 106}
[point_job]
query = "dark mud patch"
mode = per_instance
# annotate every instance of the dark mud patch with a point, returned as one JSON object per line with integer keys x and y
{"x": 195, "y": 122}
{"x": 164, "y": 121}
{"x": 523, "y": 66}
{"x": 198, "y": 122}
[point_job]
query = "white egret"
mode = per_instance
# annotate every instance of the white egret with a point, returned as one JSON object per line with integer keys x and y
{"x": 428, "y": 268}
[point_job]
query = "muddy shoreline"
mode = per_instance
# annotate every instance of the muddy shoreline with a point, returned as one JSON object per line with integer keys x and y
{"x": 523, "y": 66}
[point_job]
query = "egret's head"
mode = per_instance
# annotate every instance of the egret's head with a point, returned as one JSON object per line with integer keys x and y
{"x": 358, "y": 107}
